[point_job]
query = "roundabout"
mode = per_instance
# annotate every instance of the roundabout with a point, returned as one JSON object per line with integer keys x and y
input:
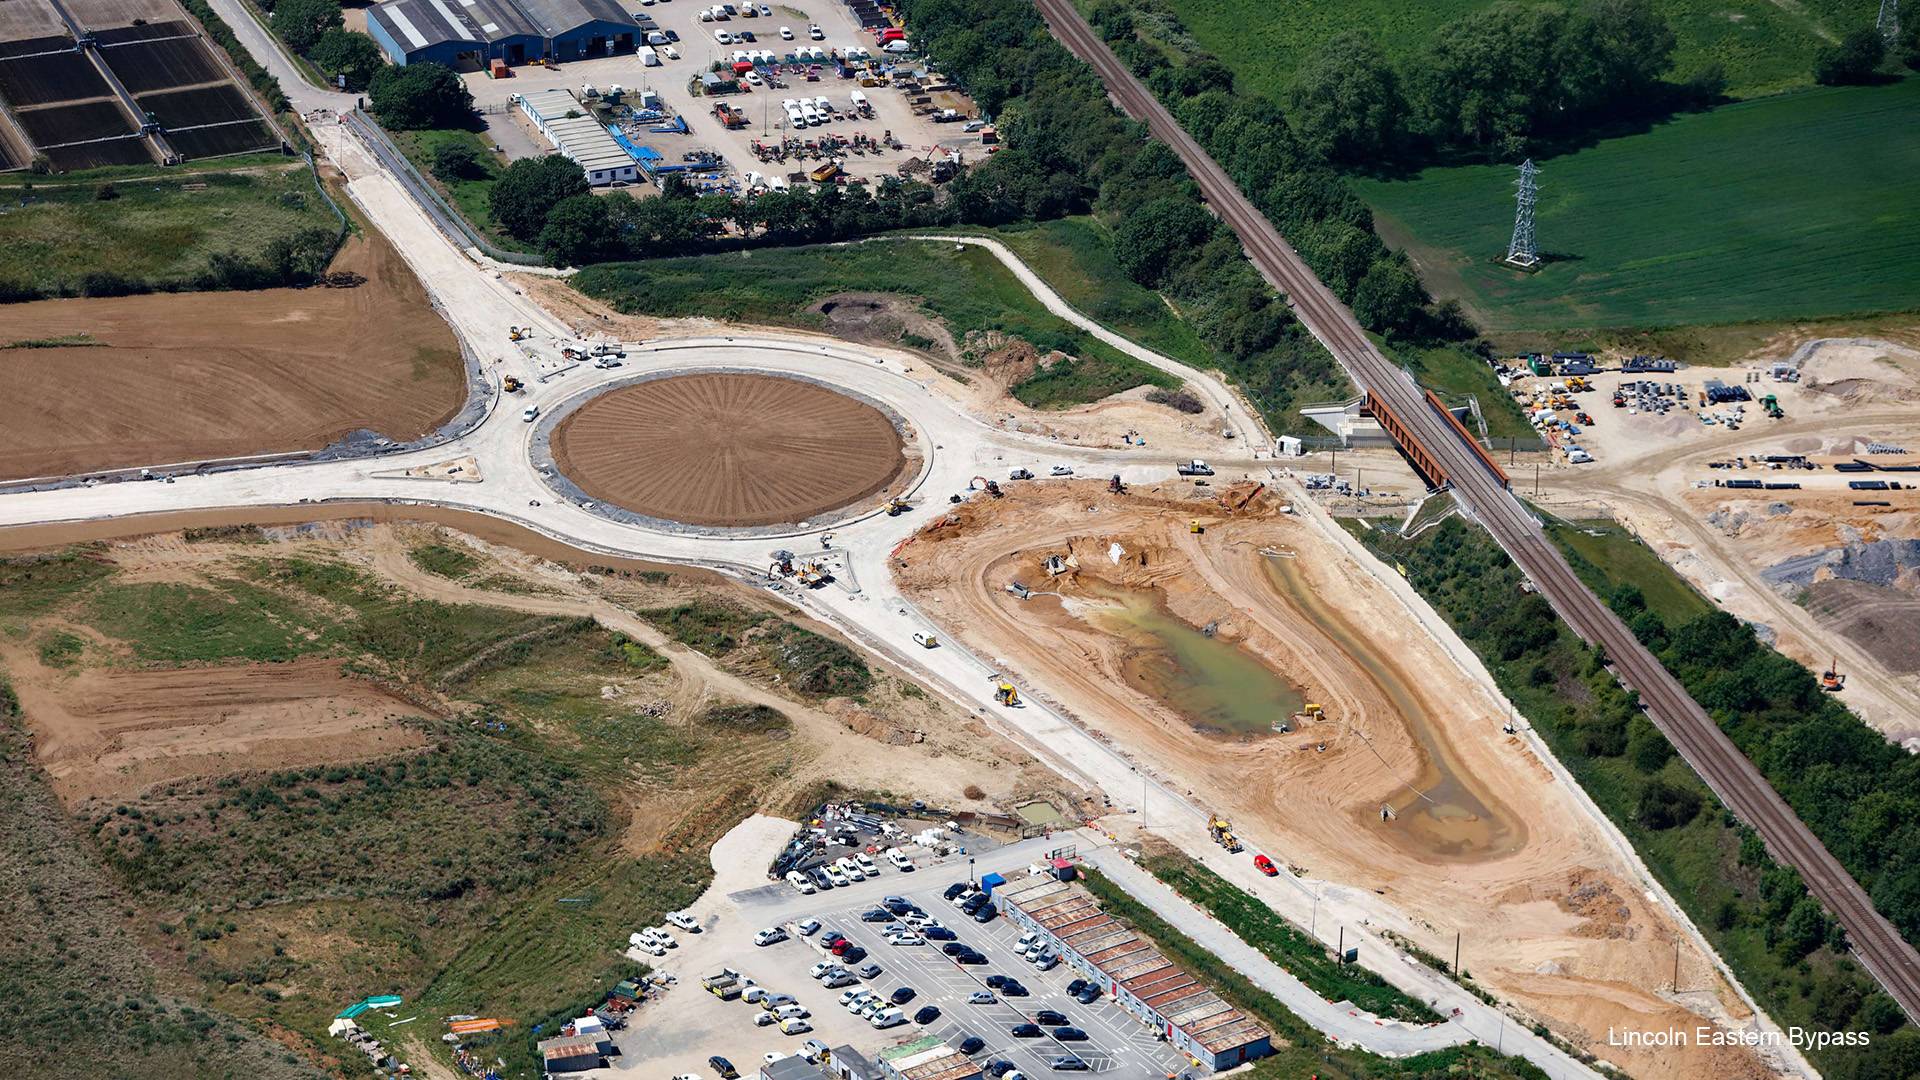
{"x": 729, "y": 449}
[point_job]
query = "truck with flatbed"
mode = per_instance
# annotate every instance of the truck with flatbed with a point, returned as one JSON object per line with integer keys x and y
{"x": 1196, "y": 467}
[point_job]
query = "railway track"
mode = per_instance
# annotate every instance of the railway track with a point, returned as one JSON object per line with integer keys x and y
{"x": 1733, "y": 778}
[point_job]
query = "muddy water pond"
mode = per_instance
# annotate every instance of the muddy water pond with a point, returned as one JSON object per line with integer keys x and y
{"x": 1219, "y": 687}
{"x": 1438, "y": 812}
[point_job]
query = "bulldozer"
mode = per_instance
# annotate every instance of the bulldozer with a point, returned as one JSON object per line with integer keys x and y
{"x": 1115, "y": 486}
{"x": 1831, "y": 680}
{"x": 1195, "y": 527}
{"x": 1222, "y": 832}
{"x": 511, "y": 384}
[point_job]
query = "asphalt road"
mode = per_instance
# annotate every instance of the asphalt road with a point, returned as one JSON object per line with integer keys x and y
{"x": 1727, "y": 770}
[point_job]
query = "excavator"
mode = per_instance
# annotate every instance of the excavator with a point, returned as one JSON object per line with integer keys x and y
{"x": 991, "y": 487}
{"x": 1831, "y": 680}
{"x": 1006, "y": 695}
{"x": 517, "y": 333}
{"x": 1222, "y": 832}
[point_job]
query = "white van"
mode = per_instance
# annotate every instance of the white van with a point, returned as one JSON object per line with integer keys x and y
{"x": 825, "y": 106}
{"x": 792, "y": 1012}
{"x": 866, "y": 863}
{"x": 887, "y": 1018}
{"x": 796, "y": 1026}
{"x": 530, "y": 413}
{"x": 859, "y": 100}
{"x": 719, "y": 13}
{"x": 648, "y": 58}
{"x": 656, "y": 37}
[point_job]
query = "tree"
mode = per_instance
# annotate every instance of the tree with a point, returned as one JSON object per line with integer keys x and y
{"x": 581, "y": 229}
{"x": 300, "y": 23}
{"x": 1390, "y": 298}
{"x": 1162, "y": 234}
{"x": 1664, "y": 805}
{"x": 529, "y": 189}
{"x": 345, "y": 53}
{"x": 1608, "y": 58}
{"x": 1906, "y": 47}
{"x": 1646, "y": 747}
{"x": 1852, "y": 60}
{"x": 1344, "y": 102}
{"x": 422, "y": 95}
{"x": 459, "y": 160}
{"x": 1805, "y": 928}
{"x": 1467, "y": 89}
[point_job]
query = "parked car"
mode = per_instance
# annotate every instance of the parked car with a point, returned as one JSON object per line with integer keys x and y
{"x": 808, "y": 927}
{"x": 1067, "y": 1063}
{"x": 854, "y": 955}
{"x": 866, "y": 863}
{"x": 1047, "y": 962}
{"x": 840, "y": 977}
{"x": 1011, "y": 988}
{"x": 955, "y": 948}
{"x": 972, "y": 1044}
{"x": 832, "y": 938}
{"x": 723, "y": 1067}
{"x": 813, "y": 1050}
{"x": 899, "y": 905}
{"x": 849, "y": 997}
{"x": 981, "y": 997}
{"x": 814, "y": 32}
{"x": 795, "y": 1026}
{"x": 927, "y": 1015}
{"x": 1069, "y": 1034}
{"x": 763, "y": 1018}
{"x": 1088, "y": 996}
{"x": 820, "y": 970}
{"x": 954, "y": 890}
{"x": 868, "y": 971}
{"x": 1076, "y": 986}
{"x": 985, "y": 914}
{"x": 1050, "y": 1017}
{"x": 1025, "y": 1031}
{"x": 890, "y": 1018}
{"x": 903, "y": 995}
{"x": 770, "y": 936}
{"x": 972, "y": 956}
{"x": 938, "y": 933}
{"x": 1265, "y": 866}
{"x": 876, "y": 915}
{"x": 801, "y": 882}
{"x": 786, "y": 33}
{"x": 894, "y": 855}
{"x": 684, "y": 921}
{"x": 819, "y": 878}
{"x": 997, "y": 981}
{"x": 999, "y": 1068}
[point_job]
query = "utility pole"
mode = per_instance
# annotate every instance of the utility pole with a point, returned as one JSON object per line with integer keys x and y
{"x": 1522, "y": 251}
{"x": 1456, "y": 954}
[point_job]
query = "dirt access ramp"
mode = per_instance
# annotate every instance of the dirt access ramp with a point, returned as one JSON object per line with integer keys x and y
{"x": 190, "y": 376}
{"x": 1553, "y": 915}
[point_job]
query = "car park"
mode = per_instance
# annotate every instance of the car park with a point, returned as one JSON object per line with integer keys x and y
{"x": 927, "y": 1015}
{"x": 972, "y": 1044}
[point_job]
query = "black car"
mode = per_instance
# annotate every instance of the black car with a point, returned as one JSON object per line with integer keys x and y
{"x": 1074, "y": 987}
{"x": 899, "y": 905}
{"x": 955, "y": 948}
{"x": 995, "y": 982}
{"x": 927, "y": 1015}
{"x": 671, "y": 35}
{"x": 1011, "y": 988}
{"x": 853, "y": 955}
{"x": 1049, "y": 1016}
{"x": 972, "y": 1044}
{"x": 972, "y": 956}
{"x": 902, "y": 995}
{"x": 1088, "y": 996}
{"x": 999, "y": 1068}
{"x": 939, "y": 933}
{"x": 1068, "y": 1063}
{"x": 1025, "y": 1031}
{"x": 820, "y": 879}
{"x": 1069, "y": 1034}
{"x": 876, "y": 915}
{"x": 974, "y": 903}
{"x": 724, "y": 1068}
{"x": 985, "y": 914}
{"x": 954, "y": 890}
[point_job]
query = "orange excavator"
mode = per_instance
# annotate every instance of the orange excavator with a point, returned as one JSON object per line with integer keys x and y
{"x": 1831, "y": 680}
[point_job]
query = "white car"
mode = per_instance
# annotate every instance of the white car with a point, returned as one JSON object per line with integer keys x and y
{"x": 819, "y": 970}
{"x": 771, "y": 1056}
{"x": 834, "y": 875}
{"x": 808, "y": 927}
{"x": 851, "y": 869}
{"x": 890, "y": 1018}
{"x": 786, "y": 33}
{"x": 669, "y": 52}
{"x": 795, "y": 119}
{"x": 795, "y": 1026}
{"x": 899, "y": 858}
{"x": 763, "y": 1018}
{"x": 1026, "y": 941}
{"x": 723, "y": 37}
{"x": 814, "y": 32}
{"x": 770, "y": 936}
{"x": 851, "y": 996}
{"x": 1062, "y": 470}
{"x": 870, "y": 1006}
{"x": 905, "y": 939}
{"x": 866, "y": 863}
{"x": 799, "y": 881}
{"x": 753, "y": 77}
{"x": 825, "y": 106}
{"x": 530, "y": 413}
{"x": 684, "y": 921}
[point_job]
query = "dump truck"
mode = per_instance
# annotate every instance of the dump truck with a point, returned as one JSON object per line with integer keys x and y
{"x": 730, "y": 118}
{"x": 1196, "y": 467}
{"x": 1222, "y": 832}
{"x": 825, "y": 173}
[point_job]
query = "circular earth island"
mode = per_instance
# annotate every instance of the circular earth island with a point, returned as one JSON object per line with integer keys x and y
{"x": 733, "y": 450}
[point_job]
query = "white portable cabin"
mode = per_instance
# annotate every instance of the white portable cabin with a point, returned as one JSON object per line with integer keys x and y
{"x": 648, "y": 58}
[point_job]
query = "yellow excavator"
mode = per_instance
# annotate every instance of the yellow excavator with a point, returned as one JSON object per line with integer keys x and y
{"x": 1222, "y": 832}
{"x": 1005, "y": 694}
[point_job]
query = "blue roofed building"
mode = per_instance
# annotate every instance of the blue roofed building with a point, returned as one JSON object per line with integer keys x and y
{"x": 474, "y": 33}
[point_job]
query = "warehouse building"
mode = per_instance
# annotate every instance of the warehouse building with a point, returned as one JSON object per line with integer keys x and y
{"x": 574, "y": 132}
{"x": 1133, "y": 973}
{"x": 474, "y": 33}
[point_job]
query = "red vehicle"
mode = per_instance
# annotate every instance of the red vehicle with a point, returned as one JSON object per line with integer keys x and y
{"x": 1265, "y": 866}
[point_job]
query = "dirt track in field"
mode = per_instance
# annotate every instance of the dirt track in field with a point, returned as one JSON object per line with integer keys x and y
{"x": 728, "y": 450}
{"x": 183, "y": 377}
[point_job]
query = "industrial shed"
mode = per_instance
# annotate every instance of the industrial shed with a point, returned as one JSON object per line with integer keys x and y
{"x": 574, "y": 132}
{"x": 463, "y": 33}
{"x": 1133, "y": 973}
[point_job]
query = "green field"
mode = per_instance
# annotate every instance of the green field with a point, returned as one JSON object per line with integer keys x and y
{"x": 471, "y": 197}
{"x": 1799, "y": 206}
{"x": 157, "y": 230}
{"x": 1763, "y": 46}
{"x": 968, "y": 290}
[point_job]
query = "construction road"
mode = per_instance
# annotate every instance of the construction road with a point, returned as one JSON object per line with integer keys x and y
{"x": 1700, "y": 741}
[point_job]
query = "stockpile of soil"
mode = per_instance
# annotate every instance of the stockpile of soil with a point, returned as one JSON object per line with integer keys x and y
{"x": 728, "y": 450}
{"x": 183, "y": 377}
